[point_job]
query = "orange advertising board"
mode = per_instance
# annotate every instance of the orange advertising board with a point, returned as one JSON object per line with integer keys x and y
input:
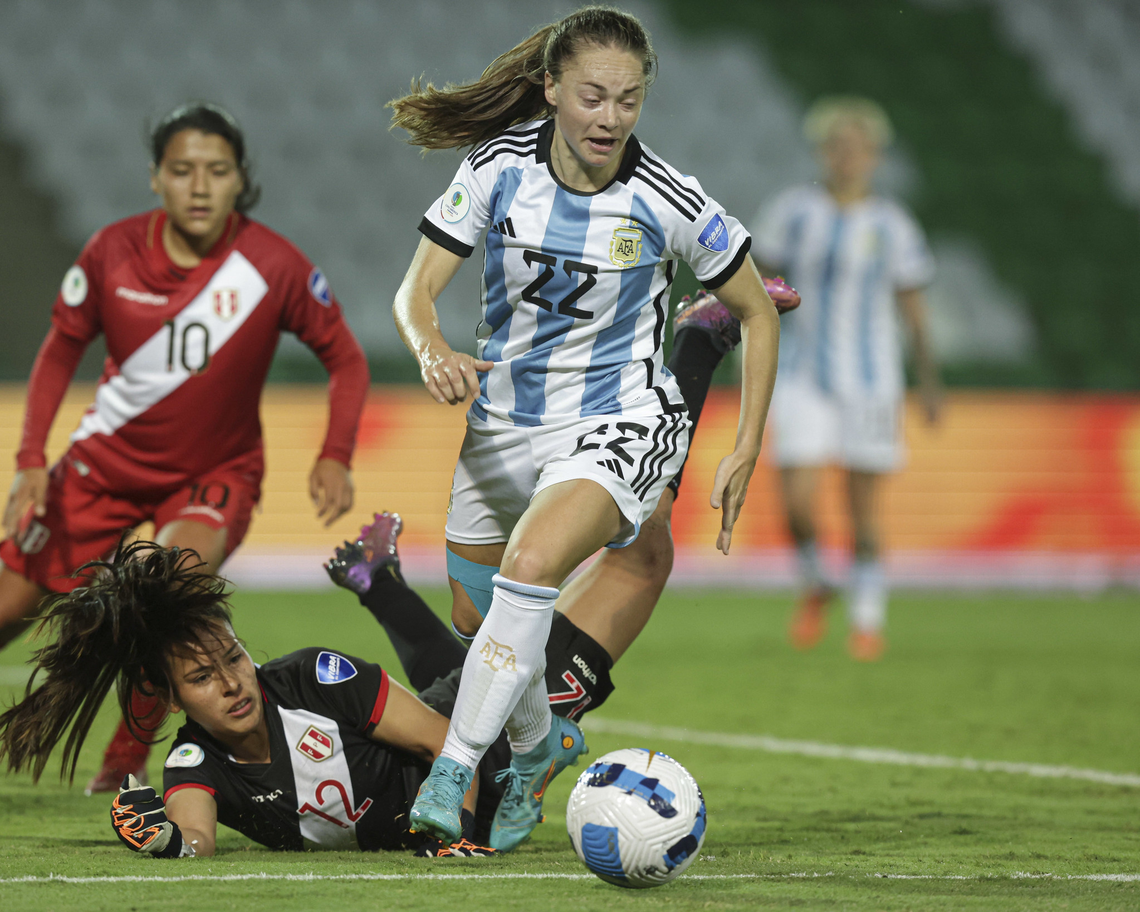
{"x": 1008, "y": 483}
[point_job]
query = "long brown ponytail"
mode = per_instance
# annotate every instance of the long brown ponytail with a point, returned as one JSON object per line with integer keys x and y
{"x": 119, "y": 629}
{"x": 511, "y": 90}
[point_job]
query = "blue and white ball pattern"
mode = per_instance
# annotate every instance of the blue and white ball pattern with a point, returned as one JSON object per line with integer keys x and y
{"x": 636, "y": 818}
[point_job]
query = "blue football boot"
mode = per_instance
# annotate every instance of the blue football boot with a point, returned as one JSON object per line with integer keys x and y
{"x": 527, "y": 777}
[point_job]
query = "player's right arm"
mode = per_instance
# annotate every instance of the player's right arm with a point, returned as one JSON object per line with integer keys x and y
{"x": 413, "y": 726}
{"x": 447, "y": 374}
{"x": 75, "y": 322}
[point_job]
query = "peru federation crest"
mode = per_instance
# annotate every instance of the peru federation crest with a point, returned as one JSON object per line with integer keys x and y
{"x": 226, "y": 303}
{"x": 625, "y": 246}
{"x": 315, "y": 744}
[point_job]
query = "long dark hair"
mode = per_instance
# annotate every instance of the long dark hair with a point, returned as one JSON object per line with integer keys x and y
{"x": 119, "y": 629}
{"x": 511, "y": 90}
{"x": 211, "y": 119}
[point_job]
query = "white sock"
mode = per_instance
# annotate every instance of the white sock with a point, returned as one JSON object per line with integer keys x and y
{"x": 867, "y": 609}
{"x": 530, "y": 722}
{"x": 501, "y": 664}
{"x": 810, "y": 568}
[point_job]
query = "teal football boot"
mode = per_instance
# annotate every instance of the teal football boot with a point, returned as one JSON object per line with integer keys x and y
{"x": 439, "y": 801}
{"x": 527, "y": 777}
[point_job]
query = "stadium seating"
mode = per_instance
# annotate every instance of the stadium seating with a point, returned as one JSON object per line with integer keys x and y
{"x": 1002, "y": 159}
{"x": 309, "y": 81}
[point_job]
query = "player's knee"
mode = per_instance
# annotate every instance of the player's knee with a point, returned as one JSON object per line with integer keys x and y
{"x": 801, "y": 527}
{"x": 650, "y": 557}
{"x": 19, "y": 604}
{"x": 866, "y": 546}
{"x": 465, "y": 618}
{"x": 530, "y": 566}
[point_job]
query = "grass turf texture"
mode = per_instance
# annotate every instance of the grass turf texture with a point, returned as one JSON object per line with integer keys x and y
{"x": 1039, "y": 679}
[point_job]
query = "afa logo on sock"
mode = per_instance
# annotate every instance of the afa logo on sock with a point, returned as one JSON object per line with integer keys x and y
{"x": 334, "y": 669}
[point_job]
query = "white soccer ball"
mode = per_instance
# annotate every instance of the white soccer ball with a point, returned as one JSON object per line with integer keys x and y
{"x": 636, "y": 818}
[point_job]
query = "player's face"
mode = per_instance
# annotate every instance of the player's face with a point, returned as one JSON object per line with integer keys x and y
{"x": 199, "y": 181}
{"x": 215, "y": 682}
{"x": 597, "y": 102}
{"x": 849, "y": 153}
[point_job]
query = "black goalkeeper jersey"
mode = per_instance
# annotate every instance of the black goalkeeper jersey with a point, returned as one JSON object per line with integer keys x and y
{"x": 328, "y": 785}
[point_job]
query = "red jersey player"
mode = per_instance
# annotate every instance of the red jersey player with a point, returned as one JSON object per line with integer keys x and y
{"x": 191, "y": 299}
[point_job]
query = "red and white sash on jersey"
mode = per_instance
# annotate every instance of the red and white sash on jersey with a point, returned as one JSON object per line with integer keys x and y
{"x": 325, "y": 803}
{"x": 179, "y": 350}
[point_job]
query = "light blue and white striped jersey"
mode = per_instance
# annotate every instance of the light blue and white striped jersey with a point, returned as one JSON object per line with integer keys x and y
{"x": 847, "y": 264}
{"x": 576, "y": 285}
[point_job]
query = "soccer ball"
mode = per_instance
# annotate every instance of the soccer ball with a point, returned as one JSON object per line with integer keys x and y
{"x": 636, "y": 818}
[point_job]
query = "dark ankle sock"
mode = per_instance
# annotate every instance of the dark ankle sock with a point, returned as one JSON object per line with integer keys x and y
{"x": 426, "y": 648}
{"x": 693, "y": 360}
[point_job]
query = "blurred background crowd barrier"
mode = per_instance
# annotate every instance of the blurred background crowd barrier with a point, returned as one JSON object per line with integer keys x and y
{"x": 1023, "y": 489}
{"x": 1018, "y": 148}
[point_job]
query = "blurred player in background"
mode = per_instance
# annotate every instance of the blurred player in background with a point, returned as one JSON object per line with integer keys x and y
{"x": 858, "y": 260}
{"x": 191, "y": 299}
{"x": 576, "y": 427}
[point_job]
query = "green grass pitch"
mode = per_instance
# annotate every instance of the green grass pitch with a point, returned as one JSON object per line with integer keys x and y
{"x": 1046, "y": 679}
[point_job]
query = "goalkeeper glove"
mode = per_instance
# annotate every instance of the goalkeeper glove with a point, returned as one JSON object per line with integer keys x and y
{"x": 138, "y": 817}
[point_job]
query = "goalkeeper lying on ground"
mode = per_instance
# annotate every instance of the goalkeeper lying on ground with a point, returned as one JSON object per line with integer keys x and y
{"x": 314, "y": 749}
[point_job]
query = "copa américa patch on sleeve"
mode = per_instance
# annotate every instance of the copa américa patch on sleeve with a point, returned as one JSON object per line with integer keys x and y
{"x": 319, "y": 287}
{"x": 185, "y": 756}
{"x": 74, "y": 287}
{"x": 456, "y": 203}
{"x": 715, "y": 235}
{"x": 333, "y": 668}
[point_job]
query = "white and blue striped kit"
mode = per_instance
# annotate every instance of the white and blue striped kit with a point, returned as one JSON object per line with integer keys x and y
{"x": 575, "y": 296}
{"x": 847, "y": 264}
{"x": 575, "y": 285}
{"x": 839, "y": 390}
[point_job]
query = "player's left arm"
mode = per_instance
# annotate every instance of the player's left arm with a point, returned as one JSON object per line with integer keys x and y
{"x": 415, "y": 727}
{"x": 195, "y": 811}
{"x": 744, "y": 296}
{"x": 183, "y": 828}
{"x": 912, "y": 304}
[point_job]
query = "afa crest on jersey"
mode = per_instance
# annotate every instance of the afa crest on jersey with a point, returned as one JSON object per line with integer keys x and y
{"x": 625, "y": 246}
{"x": 226, "y": 302}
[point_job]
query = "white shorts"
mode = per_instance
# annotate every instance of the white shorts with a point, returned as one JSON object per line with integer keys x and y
{"x": 502, "y": 467}
{"x": 816, "y": 428}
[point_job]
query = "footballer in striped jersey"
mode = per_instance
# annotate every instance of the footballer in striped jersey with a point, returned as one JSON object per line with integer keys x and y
{"x": 576, "y": 426}
{"x": 861, "y": 261}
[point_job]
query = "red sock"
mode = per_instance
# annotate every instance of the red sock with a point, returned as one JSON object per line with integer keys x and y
{"x": 126, "y": 752}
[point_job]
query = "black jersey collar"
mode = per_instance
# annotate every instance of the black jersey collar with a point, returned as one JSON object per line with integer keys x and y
{"x": 630, "y": 157}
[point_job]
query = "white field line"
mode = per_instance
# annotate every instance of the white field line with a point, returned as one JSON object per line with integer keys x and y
{"x": 861, "y": 754}
{"x": 303, "y": 878}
